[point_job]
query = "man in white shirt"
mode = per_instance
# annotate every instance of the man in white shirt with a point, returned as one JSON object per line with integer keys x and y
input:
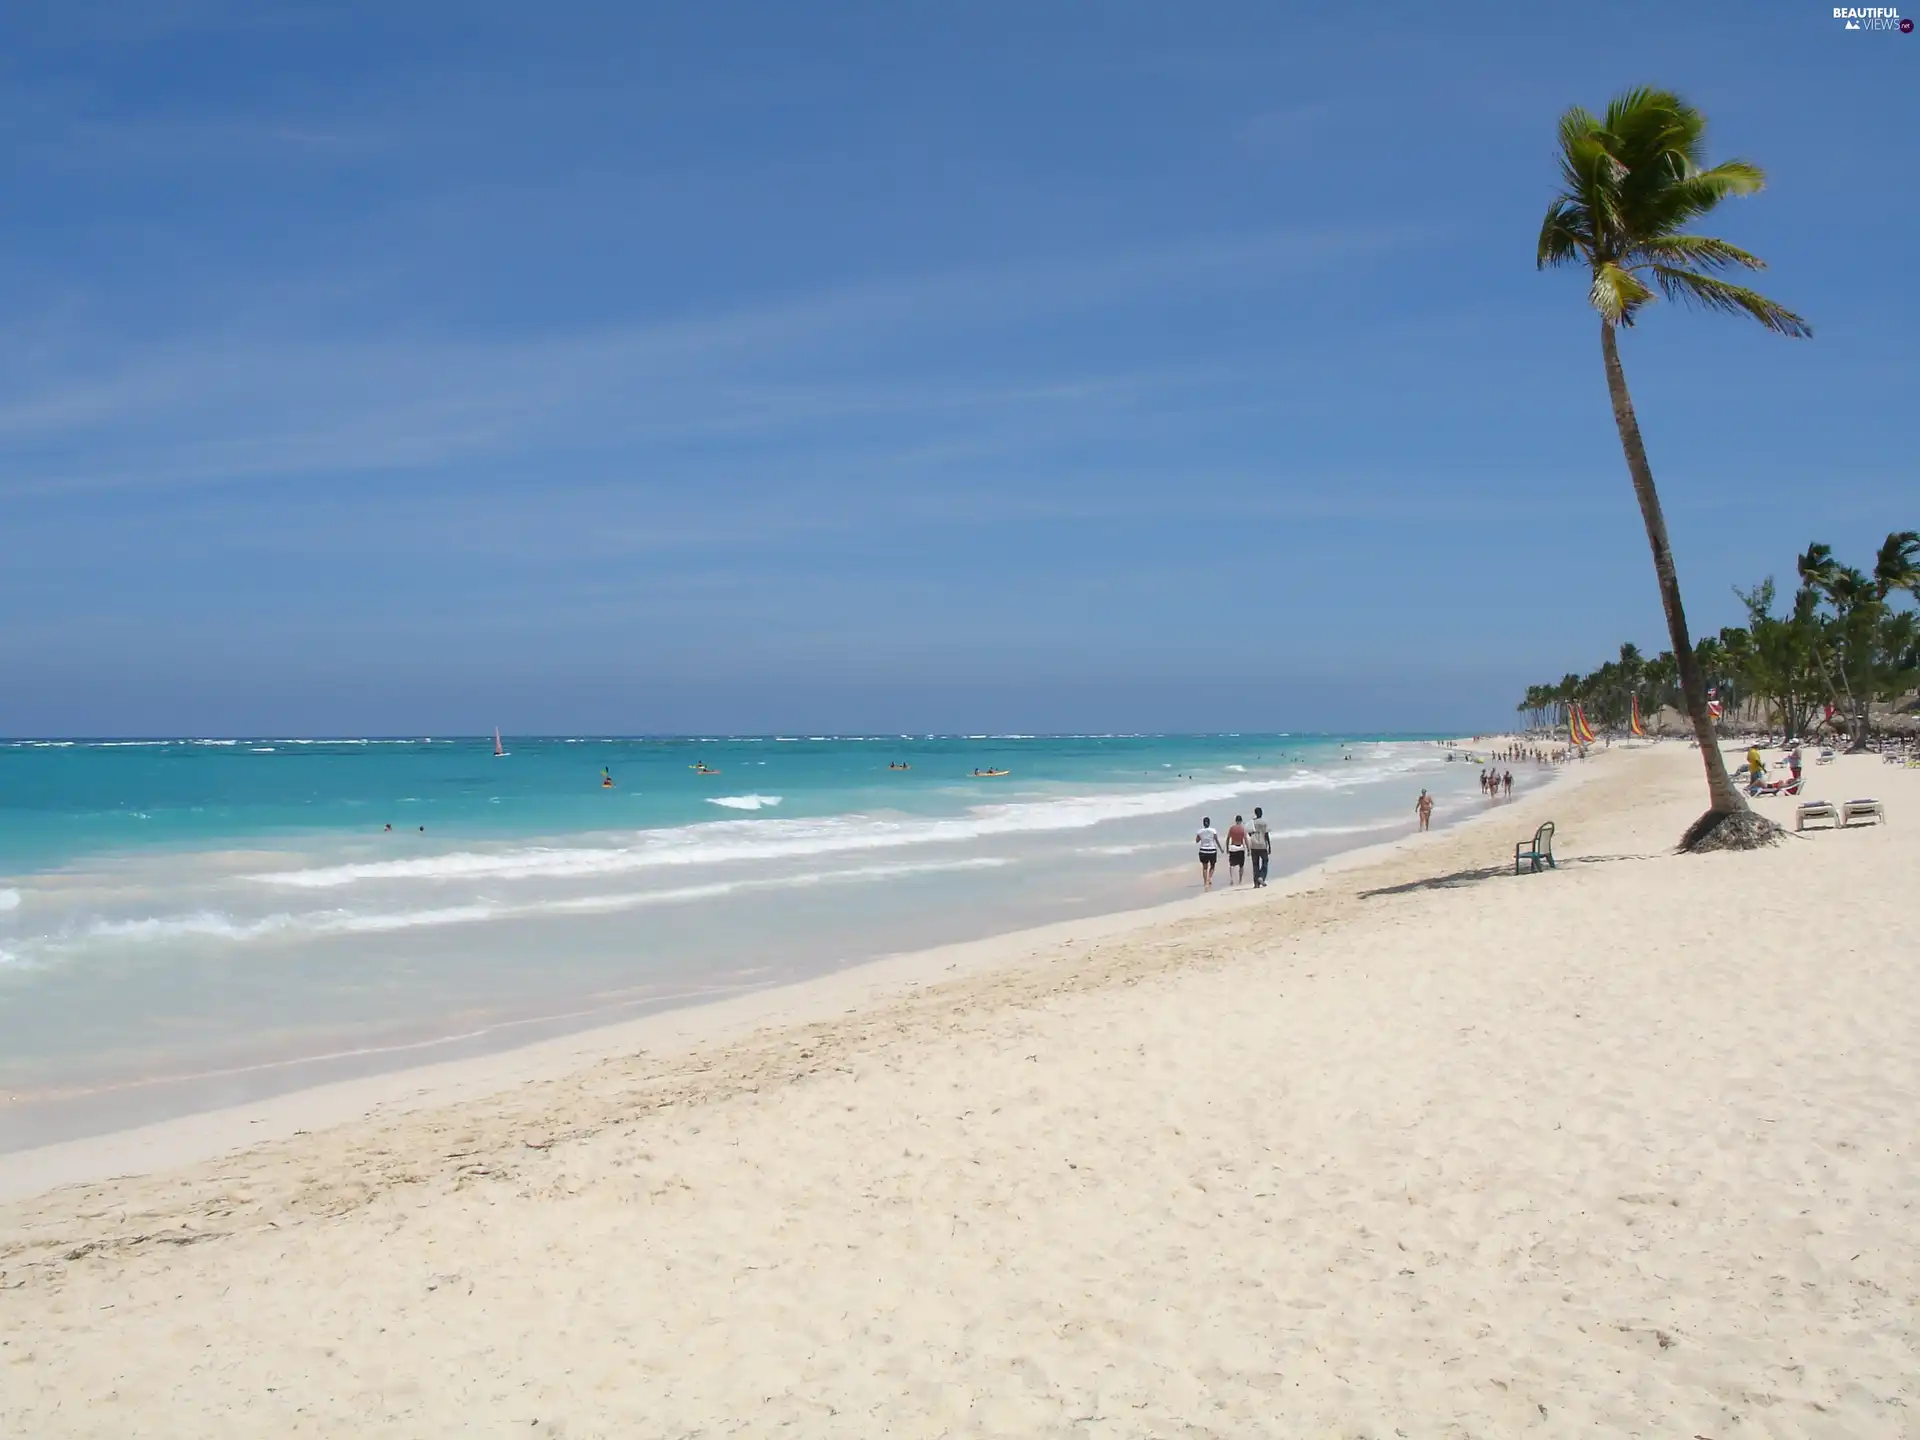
{"x": 1260, "y": 846}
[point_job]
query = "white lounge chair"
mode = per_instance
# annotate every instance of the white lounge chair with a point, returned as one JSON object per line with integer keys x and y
{"x": 1826, "y": 758}
{"x": 1854, "y": 810}
{"x": 1810, "y": 810}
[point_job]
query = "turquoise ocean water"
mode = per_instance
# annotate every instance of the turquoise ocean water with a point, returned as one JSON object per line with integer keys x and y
{"x": 186, "y": 923}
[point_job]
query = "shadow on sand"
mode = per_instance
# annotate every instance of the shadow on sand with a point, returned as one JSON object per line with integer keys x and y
{"x": 1461, "y": 878}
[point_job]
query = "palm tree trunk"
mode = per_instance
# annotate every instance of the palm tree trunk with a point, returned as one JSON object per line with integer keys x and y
{"x": 1722, "y": 798}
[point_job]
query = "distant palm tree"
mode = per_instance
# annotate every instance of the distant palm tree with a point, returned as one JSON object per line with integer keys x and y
{"x": 1566, "y": 692}
{"x": 1897, "y": 567}
{"x": 1632, "y": 179}
{"x": 1865, "y": 640}
{"x": 1661, "y": 679}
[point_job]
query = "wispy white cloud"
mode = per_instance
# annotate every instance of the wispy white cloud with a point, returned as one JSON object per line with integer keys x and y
{"x": 243, "y": 403}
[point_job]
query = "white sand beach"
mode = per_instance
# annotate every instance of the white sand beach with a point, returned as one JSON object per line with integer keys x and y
{"x": 1409, "y": 1147}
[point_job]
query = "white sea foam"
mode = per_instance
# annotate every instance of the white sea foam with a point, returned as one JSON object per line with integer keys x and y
{"x": 1313, "y": 832}
{"x": 745, "y": 802}
{"x": 722, "y": 841}
{"x": 9, "y": 900}
{"x": 1236, "y": 769}
{"x": 219, "y": 925}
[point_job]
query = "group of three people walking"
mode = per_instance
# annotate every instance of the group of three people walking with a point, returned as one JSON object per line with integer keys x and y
{"x": 1240, "y": 842}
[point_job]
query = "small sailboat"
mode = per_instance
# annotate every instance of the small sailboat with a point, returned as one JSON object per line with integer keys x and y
{"x": 499, "y": 751}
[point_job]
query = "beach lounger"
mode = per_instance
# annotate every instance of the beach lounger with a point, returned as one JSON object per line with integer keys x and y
{"x": 1826, "y": 758}
{"x": 1540, "y": 852}
{"x": 1854, "y": 810}
{"x": 1815, "y": 810}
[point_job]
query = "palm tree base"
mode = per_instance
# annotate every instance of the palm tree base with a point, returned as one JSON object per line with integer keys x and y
{"x": 1729, "y": 830}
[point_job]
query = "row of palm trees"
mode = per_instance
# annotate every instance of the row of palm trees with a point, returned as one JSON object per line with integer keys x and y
{"x": 1606, "y": 695}
{"x": 1847, "y": 639}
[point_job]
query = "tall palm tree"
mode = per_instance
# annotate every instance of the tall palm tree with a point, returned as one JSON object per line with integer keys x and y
{"x": 1632, "y": 179}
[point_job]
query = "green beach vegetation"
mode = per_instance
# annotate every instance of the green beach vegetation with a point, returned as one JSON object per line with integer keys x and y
{"x": 1631, "y": 181}
{"x": 1848, "y": 638}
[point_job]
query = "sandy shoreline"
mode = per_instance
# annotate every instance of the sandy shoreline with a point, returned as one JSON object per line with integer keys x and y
{"x": 665, "y": 1029}
{"x": 1402, "y": 1143}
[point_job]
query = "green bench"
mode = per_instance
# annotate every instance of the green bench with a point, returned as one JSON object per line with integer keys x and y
{"x": 1535, "y": 855}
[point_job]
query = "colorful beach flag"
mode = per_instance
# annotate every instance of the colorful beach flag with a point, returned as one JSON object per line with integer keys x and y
{"x": 1636, "y": 719}
{"x": 1713, "y": 703}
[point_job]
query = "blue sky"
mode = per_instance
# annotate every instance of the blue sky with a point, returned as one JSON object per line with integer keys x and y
{"x": 640, "y": 368}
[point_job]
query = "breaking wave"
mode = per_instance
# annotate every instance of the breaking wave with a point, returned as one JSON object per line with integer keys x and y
{"x": 218, "y": 925}
{"x": 722, "y": 841}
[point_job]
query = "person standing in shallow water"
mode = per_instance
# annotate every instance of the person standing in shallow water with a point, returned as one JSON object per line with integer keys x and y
{"x": 1423, "y": 807}
{"x": 1260, "y": 846}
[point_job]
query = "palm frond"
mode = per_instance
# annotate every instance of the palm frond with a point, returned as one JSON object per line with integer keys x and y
{"x": 1897, "y": 567}
{"x": 1698, "y": 192}
{"x": 1698, "y": 252}
{"x": 1617, "y": 293}
{"x": 1732, "y": 177}
{"x": 1576, "y": 123}
{"x": 1565, "y": 235}
{"x": 1658, "y": 138}
{"x": 1648, "y": 125}
{"x": 1590, "y": 174}
{"x": 1849, "y": 588}
{"x": 1710, "y": 294}
{"x": 1816, "y": 566}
